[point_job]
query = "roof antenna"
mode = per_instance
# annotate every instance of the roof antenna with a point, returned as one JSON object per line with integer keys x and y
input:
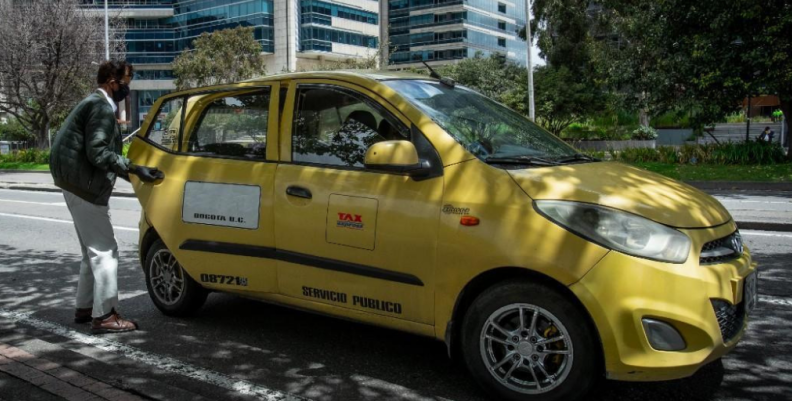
{"x": 432, "y": 73}
{"x": 443, "y": 80}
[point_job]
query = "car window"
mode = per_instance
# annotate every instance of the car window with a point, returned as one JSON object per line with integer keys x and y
{"x": 233, "y": 126}
{"x": 334, "y": 126}
{"x": 164, "y": 129}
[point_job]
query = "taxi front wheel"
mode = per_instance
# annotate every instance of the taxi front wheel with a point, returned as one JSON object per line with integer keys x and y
{"x": 525, "y": 341}
{"x": 173, "y": 291}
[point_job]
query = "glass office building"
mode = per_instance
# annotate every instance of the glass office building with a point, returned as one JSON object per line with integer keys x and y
{"x": 444, "y": 31}
{"x": 294, "y": 35}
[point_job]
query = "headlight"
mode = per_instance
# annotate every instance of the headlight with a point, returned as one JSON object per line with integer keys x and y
{"x": 618, "y": 230}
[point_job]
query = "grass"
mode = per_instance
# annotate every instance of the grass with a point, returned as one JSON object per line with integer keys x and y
{"x": 708, "y": 172}
{"x": 23, "y": 166}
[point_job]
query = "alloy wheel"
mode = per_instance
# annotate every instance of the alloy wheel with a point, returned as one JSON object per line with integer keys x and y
{"x": 526, "y": 348}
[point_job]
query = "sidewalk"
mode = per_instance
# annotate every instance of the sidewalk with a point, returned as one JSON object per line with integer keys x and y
{"x": 42, "y": 181}
{"x": 29, "y": 375}
{"x": 754, "y": 205}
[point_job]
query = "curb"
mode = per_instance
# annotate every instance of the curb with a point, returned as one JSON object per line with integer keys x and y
{"x": 51, "y": 188}
{"x": 762, "y": 226}
{"x": 741, "y": 185}
{"x": 25, "y": 171}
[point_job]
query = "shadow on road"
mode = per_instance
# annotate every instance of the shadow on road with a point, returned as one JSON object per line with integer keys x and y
{"x": 329, "y": 359}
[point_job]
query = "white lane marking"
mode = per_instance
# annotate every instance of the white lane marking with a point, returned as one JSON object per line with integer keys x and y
{"x": 761, "y": 234}
{"x": 122, "y": 296}
{"x": 24, "y": 216}
{"x": 769, "y": 299}
{"x": 35, "y": 203}
{"x": 165, "y": 363}
{"x": 747, "y": 201}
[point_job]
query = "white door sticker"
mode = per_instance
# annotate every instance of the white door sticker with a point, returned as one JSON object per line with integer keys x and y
{"x": 227, "y": 205}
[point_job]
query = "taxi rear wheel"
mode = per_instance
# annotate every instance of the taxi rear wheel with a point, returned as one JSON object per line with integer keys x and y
{"x": 171, "y": 289}
{"x": 525, "y": 341}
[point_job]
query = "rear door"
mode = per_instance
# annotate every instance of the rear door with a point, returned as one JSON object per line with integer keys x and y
{"x": 217, "y": 149}
{"x": 347, "y": 236}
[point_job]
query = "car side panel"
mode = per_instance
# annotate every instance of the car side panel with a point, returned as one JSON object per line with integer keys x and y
{"x": 510, "y": 234}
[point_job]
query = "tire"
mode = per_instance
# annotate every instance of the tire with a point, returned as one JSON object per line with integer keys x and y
{"x": 572, "y": 362}
{"x": 171, "y": 289}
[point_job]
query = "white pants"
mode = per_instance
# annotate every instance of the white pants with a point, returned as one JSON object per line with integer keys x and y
{"x": 97, "y": 286}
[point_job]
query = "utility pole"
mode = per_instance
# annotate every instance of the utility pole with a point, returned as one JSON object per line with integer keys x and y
{"x": 531, "y": 110}
{"x": 107, "y": 35}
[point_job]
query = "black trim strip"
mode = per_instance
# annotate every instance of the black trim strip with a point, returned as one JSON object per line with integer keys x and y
{"x": 299, "y": 258}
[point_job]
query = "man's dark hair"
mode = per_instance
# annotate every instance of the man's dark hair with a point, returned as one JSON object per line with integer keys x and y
{"x": 112, "y": 70}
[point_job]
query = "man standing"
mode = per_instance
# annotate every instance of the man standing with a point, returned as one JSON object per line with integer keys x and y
{"x": 84, "y": 161}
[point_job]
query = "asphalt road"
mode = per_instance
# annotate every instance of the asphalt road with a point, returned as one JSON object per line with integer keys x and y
{"x": 237, "y": 346}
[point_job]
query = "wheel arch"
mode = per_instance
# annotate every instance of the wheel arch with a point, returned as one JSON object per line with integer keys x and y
{"x": 148, "y": 239}
{"x": 493, "y": 277}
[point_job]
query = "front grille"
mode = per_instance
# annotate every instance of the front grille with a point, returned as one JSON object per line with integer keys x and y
{"x": 730, "y": 318}
{"x": 722, "y": 249}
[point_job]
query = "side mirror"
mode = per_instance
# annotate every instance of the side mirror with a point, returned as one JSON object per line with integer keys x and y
{"x": 396, "y": 157}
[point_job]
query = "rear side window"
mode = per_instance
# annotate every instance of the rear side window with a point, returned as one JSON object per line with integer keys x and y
{"x": 335, "y": 127}
{"x": 231, "y": 126}
{"x": 165, "y": 127}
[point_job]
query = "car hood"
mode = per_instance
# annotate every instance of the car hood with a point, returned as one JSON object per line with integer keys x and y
{"x": 627, "y": 188}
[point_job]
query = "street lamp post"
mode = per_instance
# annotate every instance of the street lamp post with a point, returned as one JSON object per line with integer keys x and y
{"x": 531, "y": 111}
{"x": 107, "y": 34}
{"x": 748, "y": 120}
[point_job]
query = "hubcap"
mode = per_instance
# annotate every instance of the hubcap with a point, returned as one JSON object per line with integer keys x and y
{"x": 526, "y": 348}
{"x": 166, "y": 277}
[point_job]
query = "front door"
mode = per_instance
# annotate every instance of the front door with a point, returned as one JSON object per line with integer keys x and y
{"x": 347, "y": 236}
{"x": 214, "y": 209}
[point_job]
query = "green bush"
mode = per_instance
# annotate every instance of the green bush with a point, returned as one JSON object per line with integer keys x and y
{"x": 12, "y": 130}
{"x": 671, "y": 120}
{"x": 732, "y": 153}
{"x": 35, "y": 156}
{"x": 638, "y": 155}
{"x": 667, "y": 154}
{"x": 644, "y": 133}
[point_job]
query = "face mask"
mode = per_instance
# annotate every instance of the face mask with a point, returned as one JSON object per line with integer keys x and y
{"x": 121, "y": 93}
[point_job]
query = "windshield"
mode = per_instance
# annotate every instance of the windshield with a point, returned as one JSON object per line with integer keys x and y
{"x": 484, "y": 127}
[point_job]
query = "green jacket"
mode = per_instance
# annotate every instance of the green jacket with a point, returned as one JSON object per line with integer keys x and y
{"x": 86, "y": 155}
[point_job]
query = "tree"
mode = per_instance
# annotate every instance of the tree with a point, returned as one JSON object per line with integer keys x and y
{"x": 220, "y": 57}
{"x": 707, "y": 55}
{"x": 495, "y": 77}
{"x": 561, "y": 99}
{"x": 12, "y": 130}
{"x": 566, "y": 89}
{"x": 48, "y": 47}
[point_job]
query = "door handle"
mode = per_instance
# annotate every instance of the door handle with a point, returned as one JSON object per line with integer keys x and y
{"x": 299, "y": 192}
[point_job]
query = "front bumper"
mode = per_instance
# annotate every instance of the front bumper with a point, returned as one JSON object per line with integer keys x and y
{"x": 622, "y": 290}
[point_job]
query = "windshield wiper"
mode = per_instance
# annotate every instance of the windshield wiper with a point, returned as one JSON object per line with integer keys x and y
{"x": 577, "y": 157}
{"x": 527, "y": 160}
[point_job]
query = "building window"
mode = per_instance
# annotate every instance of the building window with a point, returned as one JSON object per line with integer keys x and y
{"x": 501, "y": 42}
{"x": 502, "y": 25}
{"x": 501, "y": 8}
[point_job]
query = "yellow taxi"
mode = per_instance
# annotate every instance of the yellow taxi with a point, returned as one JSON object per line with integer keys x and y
{"x": 416, "y": 204}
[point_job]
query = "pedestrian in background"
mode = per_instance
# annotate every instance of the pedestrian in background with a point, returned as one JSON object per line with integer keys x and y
{"x": 767, "y": 135}
{"x": 85, "y": 160}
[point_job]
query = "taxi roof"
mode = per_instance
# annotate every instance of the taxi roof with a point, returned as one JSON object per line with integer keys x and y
{"x": 374, "y": 75}
{"x": 353, "y": 76}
